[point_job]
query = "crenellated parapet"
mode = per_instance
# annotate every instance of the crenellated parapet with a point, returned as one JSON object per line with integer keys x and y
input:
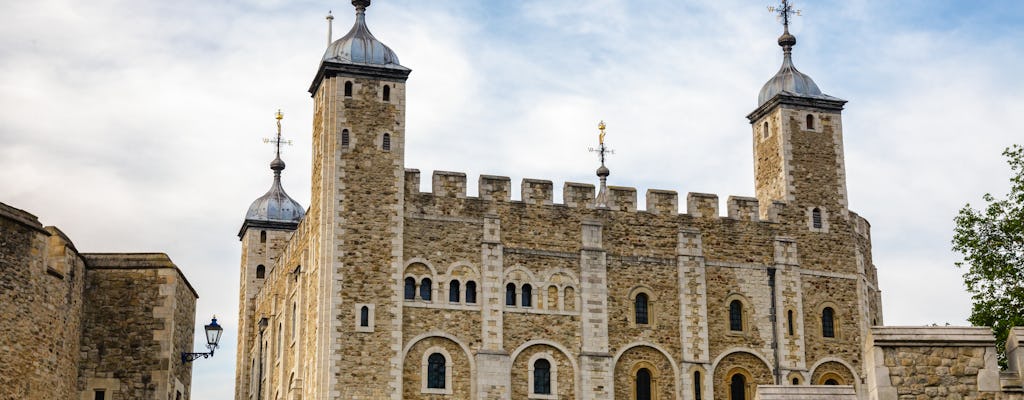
{"x": 539, "y": 192}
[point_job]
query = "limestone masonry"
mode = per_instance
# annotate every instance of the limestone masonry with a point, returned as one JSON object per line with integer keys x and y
{"x": 380, "y": 291}
{"x": 89, "y": 326}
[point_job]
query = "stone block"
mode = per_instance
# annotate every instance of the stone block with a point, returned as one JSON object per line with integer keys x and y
{"x": 495, "y": 188}
{"x": 537, "y": 192}
{"x": 742, "y": 208}
{"x": 412, "y": 181}
{"x": 449, "y": 184}
{"x": 702, "y": 205}
{"x": 579, "y": 195}
{"x": 622, "y": 198}
{"x": 662, "y": 202}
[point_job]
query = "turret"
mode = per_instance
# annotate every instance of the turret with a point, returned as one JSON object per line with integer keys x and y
{"x": 798, "y": 140}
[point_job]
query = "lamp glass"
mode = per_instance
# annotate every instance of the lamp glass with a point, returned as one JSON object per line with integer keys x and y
{"x": 213, "y": 332}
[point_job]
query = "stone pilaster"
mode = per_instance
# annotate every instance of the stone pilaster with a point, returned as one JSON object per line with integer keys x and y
{"x": 596, "y": 367}
{"x": 693, "y": 307}
{"x": 789, "y": 297}
{"x": 493, "y": 362}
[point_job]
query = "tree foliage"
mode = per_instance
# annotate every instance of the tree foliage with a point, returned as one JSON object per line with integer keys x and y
{"x": 992, "y": 244}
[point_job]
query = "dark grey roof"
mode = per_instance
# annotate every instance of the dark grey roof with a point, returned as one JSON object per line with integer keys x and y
{"x": 275, "y": 205}
{"x": 359, "y": 46}
{"x": 789, "y": 80}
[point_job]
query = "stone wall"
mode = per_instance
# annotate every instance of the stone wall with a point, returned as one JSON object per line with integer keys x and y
{"x": 41, "y": 301}
{"x": 139, "y": 315}
{"x": 940, "y": 363}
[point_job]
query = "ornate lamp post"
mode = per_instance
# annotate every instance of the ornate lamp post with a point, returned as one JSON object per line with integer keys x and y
{"x": 213, "y": 332}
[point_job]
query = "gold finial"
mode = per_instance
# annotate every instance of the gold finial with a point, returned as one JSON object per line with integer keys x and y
{"x": 279, "y": 115}
{"x": 601, "y": 126}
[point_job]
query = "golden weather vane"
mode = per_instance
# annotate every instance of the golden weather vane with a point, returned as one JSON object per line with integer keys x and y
{"x": 601, "y": 150}
{"x": 277, "y": 140}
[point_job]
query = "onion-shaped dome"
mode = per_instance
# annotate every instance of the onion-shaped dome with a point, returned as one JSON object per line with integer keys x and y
{"x": 789, "y": 80}
{"x": 359, "y": 46}
{"x": 275, "y": 205}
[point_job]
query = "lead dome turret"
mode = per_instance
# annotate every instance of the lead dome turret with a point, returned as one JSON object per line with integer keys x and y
{"x": 359, "y": 46}
{"x": 274, "y": 209}
{"x": 788, "y": 80}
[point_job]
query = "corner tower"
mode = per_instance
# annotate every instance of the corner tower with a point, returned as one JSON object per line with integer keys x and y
{"x": 798, "y": 139}
{"x": 268, "y": 226}
{"x": 357, "y": 207}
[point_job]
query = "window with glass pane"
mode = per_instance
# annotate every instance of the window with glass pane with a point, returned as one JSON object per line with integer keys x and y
{"x": 643, "y": 384}
{"x": 471, "y": 292}
{"x": 510, "y": 294}
{"x": 828, "y": 327}
{"x": 410, "y": 288}
{"x": 453, "y": 292}
{"x": 738, "y": 388}
{"x": 425, "y": 289}
{"x": 640, "y": 304}
{"x": 542, "y": 377}
{"x": 435, "y": 371}
{"x": 527, "y": 296}
{"x": 736, "y": 315}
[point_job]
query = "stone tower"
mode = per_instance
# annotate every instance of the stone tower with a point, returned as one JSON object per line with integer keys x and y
{"x": 269, "y": 225}
{"x": 798, "y": 141}
{"x": 357, "y": 208}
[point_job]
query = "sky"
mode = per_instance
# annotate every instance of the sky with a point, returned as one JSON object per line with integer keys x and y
{"x": 137, "y": 126}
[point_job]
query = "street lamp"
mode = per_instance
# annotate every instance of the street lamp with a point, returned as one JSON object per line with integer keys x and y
{"x": 213, "y": 332}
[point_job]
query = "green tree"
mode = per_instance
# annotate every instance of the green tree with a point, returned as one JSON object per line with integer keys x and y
{"x": 992, "y": 244}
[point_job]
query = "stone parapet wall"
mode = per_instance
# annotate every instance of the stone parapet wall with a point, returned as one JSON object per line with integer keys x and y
{"x": 937, "y": 363}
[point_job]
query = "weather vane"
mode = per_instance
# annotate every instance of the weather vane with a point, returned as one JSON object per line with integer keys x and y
{"x": 784, "y": 11}
{"x": 601, "y": 150}
{"x": 277, "y": 141}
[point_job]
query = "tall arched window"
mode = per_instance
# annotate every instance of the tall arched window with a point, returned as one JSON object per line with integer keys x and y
{"x": 261, "y": 271}
{"x": 542, "y": 376}
{"x": 810, "y": 122}
{"x": 386, "y": 142}
{"x": 527, "y": 296}
{"x": 789, "y": 319}
{"x": 738, "y": 387}
{"x": 435, "y": 371}
{"x": 295, "y": 313}
{"x": 410, "y": 288}
{"x": 828, "y": 327}
{"x": 263, "y": 236}
{"x": 640, "y": 308}
{"x": 764, "y": 129}
{"x": 425, "y": 289}
{"x": 348, "y": 88}
{"x": 364, "y": 316}
{"x": 736, "y": 316}
{"x": 387, "y": 93}
{"x": 470, "y": 292}
{"x": 816, "y": 218}
{"x": 453, "y": 292}
{"x": 510, "y": 294}
{"x": 643, "y": 384}
{"x": 696, "y": 385}
{"x": 344, "y": 138}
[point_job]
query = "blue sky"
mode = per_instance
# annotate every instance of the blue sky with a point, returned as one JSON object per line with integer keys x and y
{"x": 137, "y": 125}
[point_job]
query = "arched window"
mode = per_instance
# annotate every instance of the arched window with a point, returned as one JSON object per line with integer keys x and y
{"x": 386, "y": 142}
{"x": 510, "y": 294}
{"x": 410, "y": 288}
{"x": 640, "y": 308}
{"x": 738, "y": 387}
{"x": 696, "y": 385}
{"x": 789, "y": 319}
{"x": 344, "y": 138}
{"x": 470, "y": 292}
{"x": 261, "y": 271}
{"x": 542, "y": 376}
{"x": 796, "y": 381}
{"x": 764, "y": 130}
{"x": 263, "y": 236}
{"x": 295, "y": 313}
{"x": 425, "y": 289}
{"x": 828, "y": 327}
{"x": 736, "y": 316}
{"x": 435, "y": 371}
{"x": 348, "y": 88}
{"x": 816, "y": 218}
{"x": 810, "y": 122}
{"x": 643, "y": 384}
{"x": 453, "y": 292}
{"x": 364, "y": 316}
{"x": 527, "y": 296}
{"x": 387, "y": 93}
{"x": 831, "y": 382}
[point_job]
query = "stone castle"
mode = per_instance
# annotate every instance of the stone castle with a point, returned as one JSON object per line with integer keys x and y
{"x": 89, "y": 326}
{"x": 380, "y": 291}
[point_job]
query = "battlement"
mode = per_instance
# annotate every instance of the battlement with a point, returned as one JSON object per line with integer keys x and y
{"x": 539, "y": 192}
